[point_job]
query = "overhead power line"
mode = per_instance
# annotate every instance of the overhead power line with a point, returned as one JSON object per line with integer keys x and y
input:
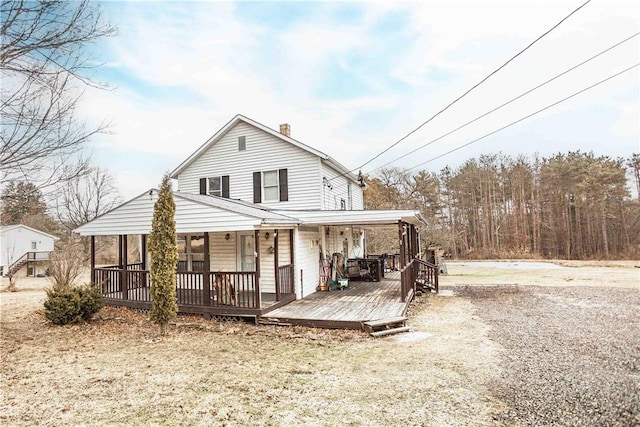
{"x": 508, "y": 102}
{"x": 526, "y": 117}
{"x": 469, "y": 90}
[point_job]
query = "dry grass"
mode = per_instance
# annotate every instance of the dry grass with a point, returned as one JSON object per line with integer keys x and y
{"x": 117, "y": 371}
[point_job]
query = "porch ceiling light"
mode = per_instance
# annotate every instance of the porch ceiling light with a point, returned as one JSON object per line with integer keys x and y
{"x": 266, "y": 236}
{"x": 227, "y": 236}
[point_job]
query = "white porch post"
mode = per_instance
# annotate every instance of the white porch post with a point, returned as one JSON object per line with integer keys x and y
{"x": 297, "y": 276}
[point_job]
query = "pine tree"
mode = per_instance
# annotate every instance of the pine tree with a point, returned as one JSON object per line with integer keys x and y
{"x": 164, "y": 257}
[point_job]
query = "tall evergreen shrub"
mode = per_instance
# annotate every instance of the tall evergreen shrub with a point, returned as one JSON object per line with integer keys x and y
{"x": 164, "y": 257}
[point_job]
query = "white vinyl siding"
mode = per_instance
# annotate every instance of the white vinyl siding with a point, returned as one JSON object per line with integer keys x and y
{"x": 264, "y": 152}
{"x": 336, "y": 189}
{"x": 267, "y": 267}
{"x": 267, "y": 277}
{"x": 222, "y": 252}
{"x": 338, "y": 235}
{"x": 308, "y": 259}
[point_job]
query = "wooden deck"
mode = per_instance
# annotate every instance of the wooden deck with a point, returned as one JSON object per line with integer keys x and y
{"x": 347, "y": 308}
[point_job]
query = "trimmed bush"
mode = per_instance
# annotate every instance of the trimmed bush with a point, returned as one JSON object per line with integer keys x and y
{"x": 72, "y": 304}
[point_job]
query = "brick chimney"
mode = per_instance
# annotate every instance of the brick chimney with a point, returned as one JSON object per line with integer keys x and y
{"x": 285, "y": 129}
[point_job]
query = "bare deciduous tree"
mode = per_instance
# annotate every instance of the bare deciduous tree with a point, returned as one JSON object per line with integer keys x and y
{"x": 83, "y": 198}
{"x": 45, "y": 65}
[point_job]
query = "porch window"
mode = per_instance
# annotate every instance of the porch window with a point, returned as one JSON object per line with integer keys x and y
{"x": 190, "y": 252}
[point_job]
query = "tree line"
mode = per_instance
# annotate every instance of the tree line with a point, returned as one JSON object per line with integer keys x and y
{"x": 571, "y": 205}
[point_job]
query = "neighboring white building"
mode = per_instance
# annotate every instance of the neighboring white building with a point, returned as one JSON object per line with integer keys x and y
{"x": 24, "y": 248}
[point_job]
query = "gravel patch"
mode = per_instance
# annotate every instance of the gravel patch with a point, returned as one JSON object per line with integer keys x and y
{"x": 571, "y": 355}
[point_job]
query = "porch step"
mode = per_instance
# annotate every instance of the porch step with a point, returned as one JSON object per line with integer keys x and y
{"x": 382, "y": 327}
{"x": 386, "y": 332}
{"x": 272, "y": 321}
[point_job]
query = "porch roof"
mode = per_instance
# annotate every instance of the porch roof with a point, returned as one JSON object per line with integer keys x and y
{"x": 359, "y": 217}
{"x": 197, "y": 213}
{"x": 194, "y": 213}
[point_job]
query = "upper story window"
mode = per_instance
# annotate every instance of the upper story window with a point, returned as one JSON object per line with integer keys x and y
{"x": 215, "y": 186}
{"x": 34, "y": 246}
{"x": 271, "y": 186}
{"x": 349, "y": 197}
{"x": 242, "y": 143}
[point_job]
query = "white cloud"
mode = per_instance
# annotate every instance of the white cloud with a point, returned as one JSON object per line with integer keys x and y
{"x": 226, "y": 64}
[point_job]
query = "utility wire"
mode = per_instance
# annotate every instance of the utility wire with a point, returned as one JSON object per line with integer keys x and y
{"x": 508, "y": 102}
{"x": 468, "y": 91}
{"x": 525, "y": 117}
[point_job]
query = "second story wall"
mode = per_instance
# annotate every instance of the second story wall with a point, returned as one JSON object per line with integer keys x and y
{"x": 262, "y": 153}
{"x": 337, "y": 188}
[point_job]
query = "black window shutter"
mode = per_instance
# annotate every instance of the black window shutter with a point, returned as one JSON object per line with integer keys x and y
{"x": 257, "y": 187}
{"x": 284, "y": 185}
{"x": 203, "y": 185}
{"x": 225, "y": 186}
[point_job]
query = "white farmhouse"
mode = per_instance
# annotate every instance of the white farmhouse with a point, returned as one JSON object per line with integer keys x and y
{"x": 263, "y": 220}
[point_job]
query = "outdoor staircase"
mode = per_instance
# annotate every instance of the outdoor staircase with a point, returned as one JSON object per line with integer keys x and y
{"x": 384, "y": 327}
{"x": 17, "y": 265}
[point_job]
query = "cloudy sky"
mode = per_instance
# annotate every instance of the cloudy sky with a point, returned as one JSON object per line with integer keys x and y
{"x": 352, "y": 78}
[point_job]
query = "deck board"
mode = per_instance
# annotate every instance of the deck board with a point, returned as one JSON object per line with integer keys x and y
{"x": 360, "y": 302}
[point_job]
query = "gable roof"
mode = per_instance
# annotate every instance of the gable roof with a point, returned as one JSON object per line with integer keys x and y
{"x": 194, "y": 213}
{"x": 240, "y": 118}
{"x": 6, "y": 228}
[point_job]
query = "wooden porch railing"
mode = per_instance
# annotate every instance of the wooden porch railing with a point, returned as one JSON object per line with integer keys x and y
{"x": 408, "y": 280}
{"x": 427, "y": 274}
{"x": 285, "y": 280}
{"x": 418, "y": 273}
{"x": 236, "y": 288}
{"x": 227, "y": 289}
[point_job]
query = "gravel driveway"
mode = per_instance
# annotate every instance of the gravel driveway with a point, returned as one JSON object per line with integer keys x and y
{"x": 571, "y": 355}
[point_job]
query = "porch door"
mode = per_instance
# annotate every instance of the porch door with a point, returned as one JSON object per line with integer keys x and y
{"x": 247, "y": 252}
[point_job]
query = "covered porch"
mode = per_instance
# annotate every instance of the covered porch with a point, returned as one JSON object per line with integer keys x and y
{"x": 204, "y": 286}
{"x": 237, "y": 259}
{"x": 234, "y": 259}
